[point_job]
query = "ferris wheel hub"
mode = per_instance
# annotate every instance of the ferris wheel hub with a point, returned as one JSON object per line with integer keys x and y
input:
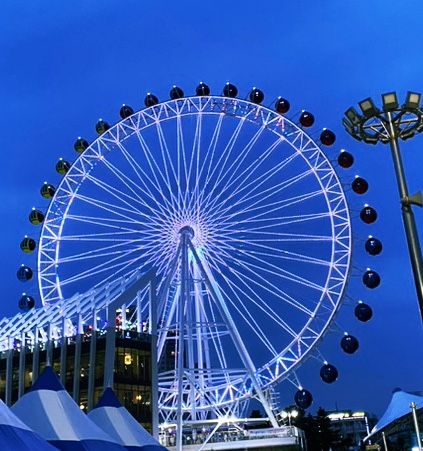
{"x": 187, "y": 230}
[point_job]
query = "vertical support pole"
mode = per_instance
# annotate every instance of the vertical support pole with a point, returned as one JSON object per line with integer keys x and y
{"x": 154, "y": 375}
{"x": 109, "y": 358}
{"x": 21, "y": 383}
{"x": 9, "y": 372}
{"x": 91, "y": 369}
{"x": 139, "y": 317}
{"x": 63, "y": 352}
{"x": 123, "y": 314}
{"x": 367, "y": 425}
{"x": 49, "y": 359}
{"x": 416, "y": 425}
{"x": 385, "y": 445}
{"x": 407, "y": 215}
{"x": 35, "y": 357}
{"x": 77, "y": 361}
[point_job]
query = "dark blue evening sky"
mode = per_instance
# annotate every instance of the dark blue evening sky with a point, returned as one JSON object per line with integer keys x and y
{"x": 65, "y": 64}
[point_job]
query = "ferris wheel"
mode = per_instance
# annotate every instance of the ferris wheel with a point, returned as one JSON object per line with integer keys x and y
{"x": 243, "y": 217}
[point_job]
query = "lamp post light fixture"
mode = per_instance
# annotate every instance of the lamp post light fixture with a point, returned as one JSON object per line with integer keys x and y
{"x": 388, "y": 125}
{"x": 289, "y": 414}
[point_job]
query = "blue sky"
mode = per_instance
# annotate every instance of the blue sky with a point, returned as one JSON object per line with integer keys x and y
{"x": 65, "y": 64}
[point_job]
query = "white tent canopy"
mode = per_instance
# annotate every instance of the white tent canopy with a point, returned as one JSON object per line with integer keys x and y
{"x": 111, "y": 416}
{"x": 15, "y": 435}
{"x": 397, "y": 408}
{"x": 50, "y": 411}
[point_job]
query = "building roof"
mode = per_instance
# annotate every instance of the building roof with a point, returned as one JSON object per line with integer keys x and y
{"x": 111, "y": 416}
{"x": 397, "y": 408}
{"x": 15, "y": 435}
{"x": 50, "y": 411}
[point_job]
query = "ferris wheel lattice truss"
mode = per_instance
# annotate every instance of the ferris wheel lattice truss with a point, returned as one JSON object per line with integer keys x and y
{"x": 246, "y": 222}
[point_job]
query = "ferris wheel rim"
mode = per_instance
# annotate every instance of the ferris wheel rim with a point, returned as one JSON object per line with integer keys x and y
{"x": 258, "y": 108}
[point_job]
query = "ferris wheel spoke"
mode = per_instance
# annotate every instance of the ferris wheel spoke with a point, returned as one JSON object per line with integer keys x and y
{"x": 265, "y": 282}
{"x": 127, "y": 200}
{"x": 256, "y": 184}
{"x": 128, "y": 183}
{"x": 275, "y": 236}
{"x": 240, "y": 158}
{"x": 154, "y": 168}
{"x": 109, "y": 223}
{"x": 135, "y": 189}
{"x": 100, "y": 237}
{"x": 211, "y": 151}
{"x": 260, "y": 303}
{"x": 194, "y": 160}
{"x": 272, "y": 207}
{"x": 164, "y": 150}
{"x": 114, "y": 249}
{"x": 221, "y": 163}
{"x": 250, "y": 170}
{"x": 271, "y": 269}
{"x": 216, "y": 340}
{"x": 143, "y": 178}
{"x": 263, "y": 195}
{"x": 279, "y": 220}
{"x": 279, "y": 253}
{"x": 117, "y": 210}
{"x": 110, "y": 264}
{"x": 182, "y": 160}
{"x": 87, "y": 256}
{"x": 257, "y": 300}
{"x": 247, "y": 316}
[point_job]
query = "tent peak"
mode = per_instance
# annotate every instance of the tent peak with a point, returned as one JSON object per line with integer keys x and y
{"x": 108, "y": 399}
{"x": 47, "y": 380}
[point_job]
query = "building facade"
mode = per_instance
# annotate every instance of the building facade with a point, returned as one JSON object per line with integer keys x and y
{"x": 96, "y": 340}
{"x": 351, "y": 427}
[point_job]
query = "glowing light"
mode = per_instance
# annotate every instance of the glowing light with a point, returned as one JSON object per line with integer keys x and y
{"x": 128, "y": 359}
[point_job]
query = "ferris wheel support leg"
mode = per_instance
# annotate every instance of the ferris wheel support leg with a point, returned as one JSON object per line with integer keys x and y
{"x": 164, "y": 330}
{"x": 200, "y": 336}
{"x": 180, "y": 369}
{"x": 152, "y": 330}
{"x": 239, "y": 344}
{"x": 191, "y": 364}
{"x": 163, "y": 293}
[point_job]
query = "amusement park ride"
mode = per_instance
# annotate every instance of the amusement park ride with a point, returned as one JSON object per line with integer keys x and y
{"x": 245, "y": 221}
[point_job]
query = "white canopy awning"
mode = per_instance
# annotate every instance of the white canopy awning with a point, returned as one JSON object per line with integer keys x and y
{"x": 397, "y": 408}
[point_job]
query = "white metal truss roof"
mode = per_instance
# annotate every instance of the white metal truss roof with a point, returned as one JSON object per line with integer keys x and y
{"x": 69, "y": 314}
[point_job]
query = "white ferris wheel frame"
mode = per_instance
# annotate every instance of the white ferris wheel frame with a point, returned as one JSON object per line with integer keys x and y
{"x": 287, "y": 360}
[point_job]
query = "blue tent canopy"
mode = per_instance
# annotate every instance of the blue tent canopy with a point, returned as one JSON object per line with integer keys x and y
{"x": 50, "y": 411}
{"x": 15, "y": 435}
{"x": 111, "y": 416}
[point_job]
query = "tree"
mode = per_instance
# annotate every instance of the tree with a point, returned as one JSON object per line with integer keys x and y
{"x": 318, "y": 431}
{"x": 255, "y": 413}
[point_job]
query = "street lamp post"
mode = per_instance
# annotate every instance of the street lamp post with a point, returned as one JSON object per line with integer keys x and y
{"x": 388, "y": 125}
{"x": 289, "y": 414}
{"x": 416, "y": 425}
